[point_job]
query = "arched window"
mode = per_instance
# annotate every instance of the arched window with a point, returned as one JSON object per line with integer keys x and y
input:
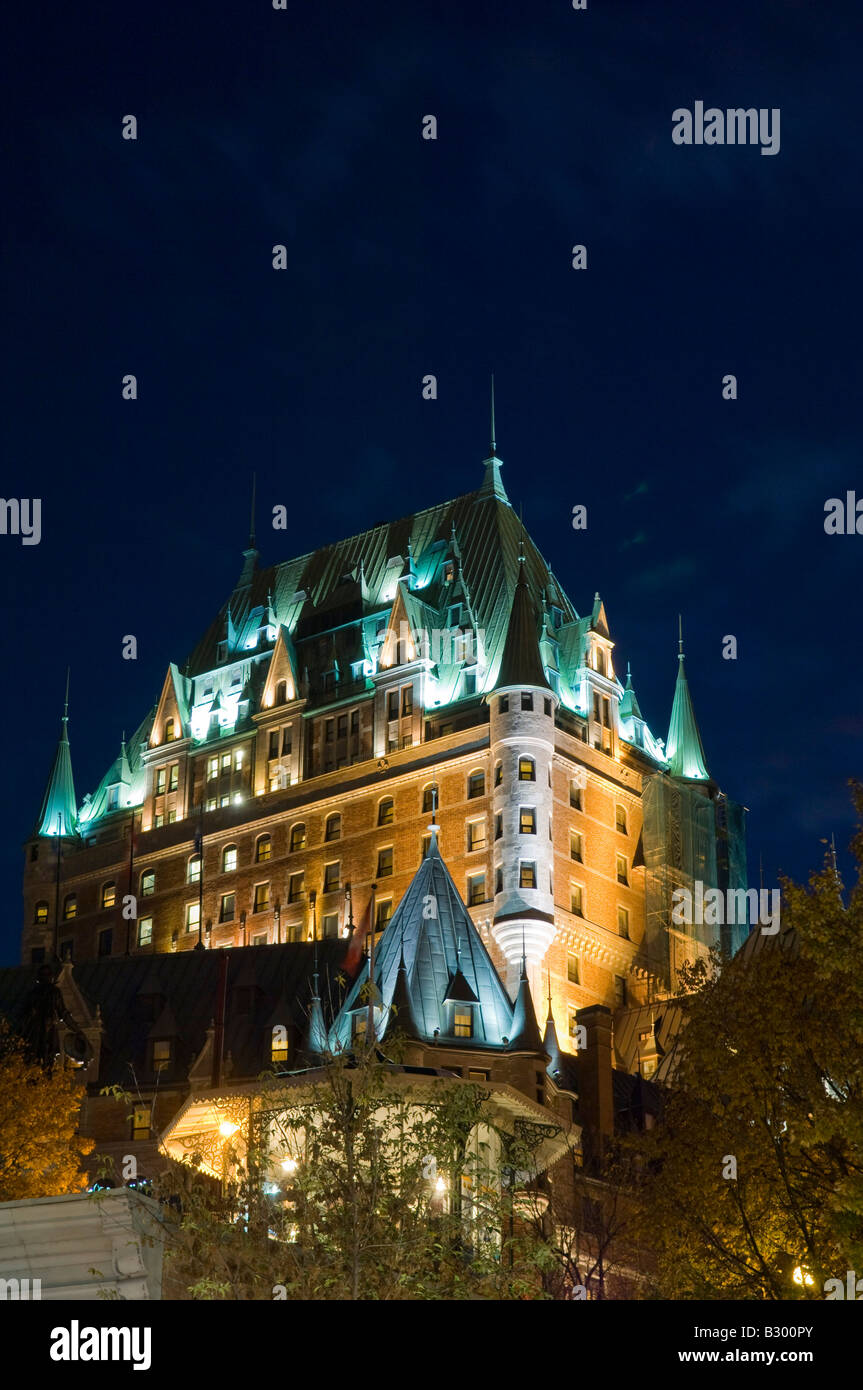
{"x": 70, "y": 907}
{"x": 229, "y": 859}
{"x": 193, "y": 869}
{"x": 430, "y": 801}
{"x": 148, "y": 883}
{"x": 40, "y": 913}
{"x": 385, "y": 811}
{"x": 282, "y": 693}
{"x": 526, "y": 770}
{"x": 498, "y": 774}
{"x": 298, "y": 837}
{"x": 263, "y": 848}
{"x": 333, "y": 828}
{"x": 475, "y": 785}
{"x": 109, "y": 894}
{"x": 169, "y": 730}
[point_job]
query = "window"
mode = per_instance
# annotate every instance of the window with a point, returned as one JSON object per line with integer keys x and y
{"x": 173, "y": 777}
{"x": 141, "y": 1122}
{"x": 170, "y": 731}
{"x": 572, "y": 969}
{"x": 66, "y": 949}
{"x": 279, "y": 1045}
{"x": 503, "y": 705}
{"x": 462, "y": 1022}
{"x": 40, "y": 913}
{"x": 425, "y": 843}
{"x": 498, "y": 825}
{"x": 623, "y": 922}
{"x": 358, "y": 1025}
{"x": 526, "y": 770}
{"x": 330, "y": 924}
{"x": 172, "y": 816}
{"x": 576, "y": 847}
{"x": 282, "y": 693}
{"x": 333, "y": 829}
{"x": 498, "y": 774}
{"x": 332, "y": 875}
{"x": 227, "y": 907}
{"x": 296, "y": 887}
{"x": 393, "y": 704}
{"x": 260, "y": 939}
{"x": 113, "y": 798}
{"x": 622, "y": 869}
{"x": 620, "y": 819}
{"x": 161, "y": 780}
{"x": 475, "y": 835}
{"x": 477, "y": 1075}
{"x": 287, "y": 741}
{"x": 109, "y": 894}
{"x": 229, "y": 859}
{"x": 475, "y": 889}
{"x": 274, "y": 743}
{"x": 211, "y": 803}
{"x": 526, "y": 700}
{"x": 547, "y": 706}
{"x": 161, "y": 1054}
{"x": 298, "y": 838}
{"x": 576, "y": 900}
{"x": 193, "y": 916}
{"x": 145, "y": 931}
{"x": 148, "y": 883}
{"x": 527, "y": 821}
{"x": 383, "y": 912}
{"x": 158, "y": 821}
{"x": 329, "y": 726}
{"x": 263, "y": 848}
{"x": 386, "y": 811}
{"x": 620, "y": 991}
{"x": 355, "y": 722}
{"x": 342, "y": 726}
{"x": 212, "y": 768}
{"x": 475, "y": 785}
{"x": 385, "y": 862}
{"x": 526, "y": 874}
{"x": 469, "y": 683}
{"x": 226, "y": 762}
{"x": 224, "y": 800}
{"x": 70, "y": 907}
{"x": 262, "y": 897}
{"x": 429, "y": 799}
{"x": 193, "y": 869}
{"x": 407, "y": 700}
{"x": 106, "y": 941}
{"x": 576, "y": 798}
{"x": 498, "y": 880}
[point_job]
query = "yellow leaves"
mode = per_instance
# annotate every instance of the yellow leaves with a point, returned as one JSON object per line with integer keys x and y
{"x": 40, "y": 1148}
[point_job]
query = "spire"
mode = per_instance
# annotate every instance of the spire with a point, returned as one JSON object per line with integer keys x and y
{"x": 491, "y": 483}
{"x": 521, "y": 662}
{"x": 629, "y": 704}
{"x": 525, "y": 1030}
{"x": 493, "y": 448}
{"x": 316, "y": 1034}
{"x": 549, "y": 1041}
{"x": 684, "y": 749}
{"x": 58, "y": 813}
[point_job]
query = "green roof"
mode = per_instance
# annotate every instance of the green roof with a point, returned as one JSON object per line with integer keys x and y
{"x": 684, "y": 750}
{"x": 58, "y": 813}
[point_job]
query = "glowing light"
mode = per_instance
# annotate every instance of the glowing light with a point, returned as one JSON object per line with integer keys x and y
{"x": 289, "y": 1165}
{"x": 238, "y": 796}
{"x": 802, "y": 1276}
{"x": 227, "y": 1128}
{"x": 440, "y": 1185}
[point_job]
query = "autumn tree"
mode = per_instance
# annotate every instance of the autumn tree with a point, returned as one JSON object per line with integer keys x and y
{"x": 754, "y": 1178}
{"x": 41, "y": 1150}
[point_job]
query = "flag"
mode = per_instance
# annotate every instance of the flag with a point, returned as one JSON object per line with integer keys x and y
{"x": 356, "y": 946}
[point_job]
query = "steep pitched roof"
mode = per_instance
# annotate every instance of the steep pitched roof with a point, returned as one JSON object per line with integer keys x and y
{"x": 525, "y": 1029}
{"x": 58, "y": 815}
{"x": 431, "y": 927}
{"x": 521, "y": 662}
{"x": 684, "y": 749}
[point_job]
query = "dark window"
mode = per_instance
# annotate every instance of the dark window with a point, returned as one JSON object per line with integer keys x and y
{"x": 67, "y": 950}
{"x": 475, "y": 890}
{"x": 548, "y": 706}
{"x": 37, "y": 955}
{"x": 407, "y": 700}
{"x": 503, "y": 705}
{"x": 106, "y": 939}
{"x": 342, "y": 726}
{"x": 274, "y": 743}
{"x": 476, "y": 785}
{"x": 393, "y": 705}
{"x": 572, "y": 969}
{"x": 526, "y": 700}
{"x": 227, "y": 907}
{"x": 429, "y": 800}
{"x": 620, "y": 819}
{"x": 498, "y": 881}
{"x": 620, "y": 991}
{"x": 330, "y": 924}
{"x": 385, "y": 862}
{"x": 498, "y": 825}
{"x": 622, "y": 870}
{"x": 576, "y": 900}
{"x": 328, "y": 731}
{"x": 287, "y": 743}
{"x": 575, "y": 797}
{"x": 332, "y": 874}
{"x": 355, "y": 721}
{"x": 334, "y": 827}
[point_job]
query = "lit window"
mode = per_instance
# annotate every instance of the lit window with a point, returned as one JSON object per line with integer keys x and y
{"x": 193, "y": 916}
{"x": 527, "y": 821}
{"x": 158, "y": 821}
{"x": 576, "y": 851}
{"x": 383, "y": 912}
{"x": 576, "y": 799}
{"x": 386, "y": 811}
{"x": 332, "y": 875}
{"x": 576, "y": 900}
{"x": 263, "y": 848}
{"x": 194, "y": 869}
{"x": 109, "y": 894}
{"x": 145, "y": 931}
{"x": 572, "y": 969}
{"x": 623, "y": 922}
{"x": 226, "y": 762}
{"x": 475, "y": 835}
{"x": 622, "y": 869}
{"x": 279, "y": 1045}
{"x": 527, "y": 874}
{"x": 385, "y": 862}
{"x": 161, "y": 780}
{"x": 212, "y": 768}
{"x": 170, "y": 733}
{"x": 224, "y": 800}
{"x": 70, "y": 907}
{"x": 148, "y": 883}
{"x": 41, "y": 913}
{"x": 161, "y": 1054}
{"x": 173, "y": 777}
{"x": 462, "y": 1023}
{"x": 407, "y": 700}
{"x": 141, "y": 1122}
{"x": 298, "y": 838}
{"x": 227, "y": 907}
{"x": 475, "y": 889}
{"x": 262, "y": 897}
{"x": 334, "y": 828}
{"x": 475, "y": 785}
{"x": 296, "y": 887}
{"x": 620, "y": 819}
{"x": 526, "y": 770}
{"x": 229, "y": 859}
{"x": 172, "y": 816}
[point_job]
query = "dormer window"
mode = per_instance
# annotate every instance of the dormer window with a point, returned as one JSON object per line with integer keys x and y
{"x": 113, "y": 798}
{"x": 170, "y": 730}
{"x": 161, "y": 1054}
{"x": 462, "y": 1024}
{"x": 599, "y": 660}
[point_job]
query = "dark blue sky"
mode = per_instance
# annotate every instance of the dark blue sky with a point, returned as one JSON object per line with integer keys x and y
{"x": 452, "y": 257}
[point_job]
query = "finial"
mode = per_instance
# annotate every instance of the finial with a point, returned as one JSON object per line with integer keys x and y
{"x": 548, "y": 975}
{"x": 252, "y": 513}
{"x": 523, "y": 953}
{"x": 493, "y": 450}
{"x": 679, "y": 637}
{"x": 66, "y": 701}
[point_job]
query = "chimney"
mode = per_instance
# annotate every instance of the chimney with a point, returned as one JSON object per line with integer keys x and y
{"x": 596, "y": 1096}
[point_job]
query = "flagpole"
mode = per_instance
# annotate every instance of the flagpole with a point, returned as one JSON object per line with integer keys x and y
{"x": 370, "y": 1026}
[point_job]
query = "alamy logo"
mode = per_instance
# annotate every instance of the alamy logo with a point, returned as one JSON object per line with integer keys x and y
{"x": 76, "y": 1343}
{"x": 736, "y": 126}
{"x": 712, "y": 908}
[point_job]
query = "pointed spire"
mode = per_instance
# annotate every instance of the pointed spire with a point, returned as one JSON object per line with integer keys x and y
{"x": 316, "y": 1033}
{"x": 525, "y": 1030}
{"x": 549, "y": 1041}
{"x": 58, "y": 814}
{"x": 629, "y": 708}
{"x": 521, "y": 662}
{"x": 493, "y": 448}
{"x": 684, "y": 748}
{"x": 491, "y": 483}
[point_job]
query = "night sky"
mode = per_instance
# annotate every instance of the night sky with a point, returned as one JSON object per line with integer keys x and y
{"x": 451, "y": 257}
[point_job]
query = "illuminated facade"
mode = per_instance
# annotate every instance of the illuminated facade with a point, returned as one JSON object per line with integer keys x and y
{"x": 283, "y": 785}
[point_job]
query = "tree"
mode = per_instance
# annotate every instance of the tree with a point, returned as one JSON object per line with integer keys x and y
{"x": 754, "y": 1185}
{"x": 40, "y": 1147}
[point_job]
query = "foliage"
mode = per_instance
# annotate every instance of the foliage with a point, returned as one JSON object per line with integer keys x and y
{"x": 40, "y": 1147}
